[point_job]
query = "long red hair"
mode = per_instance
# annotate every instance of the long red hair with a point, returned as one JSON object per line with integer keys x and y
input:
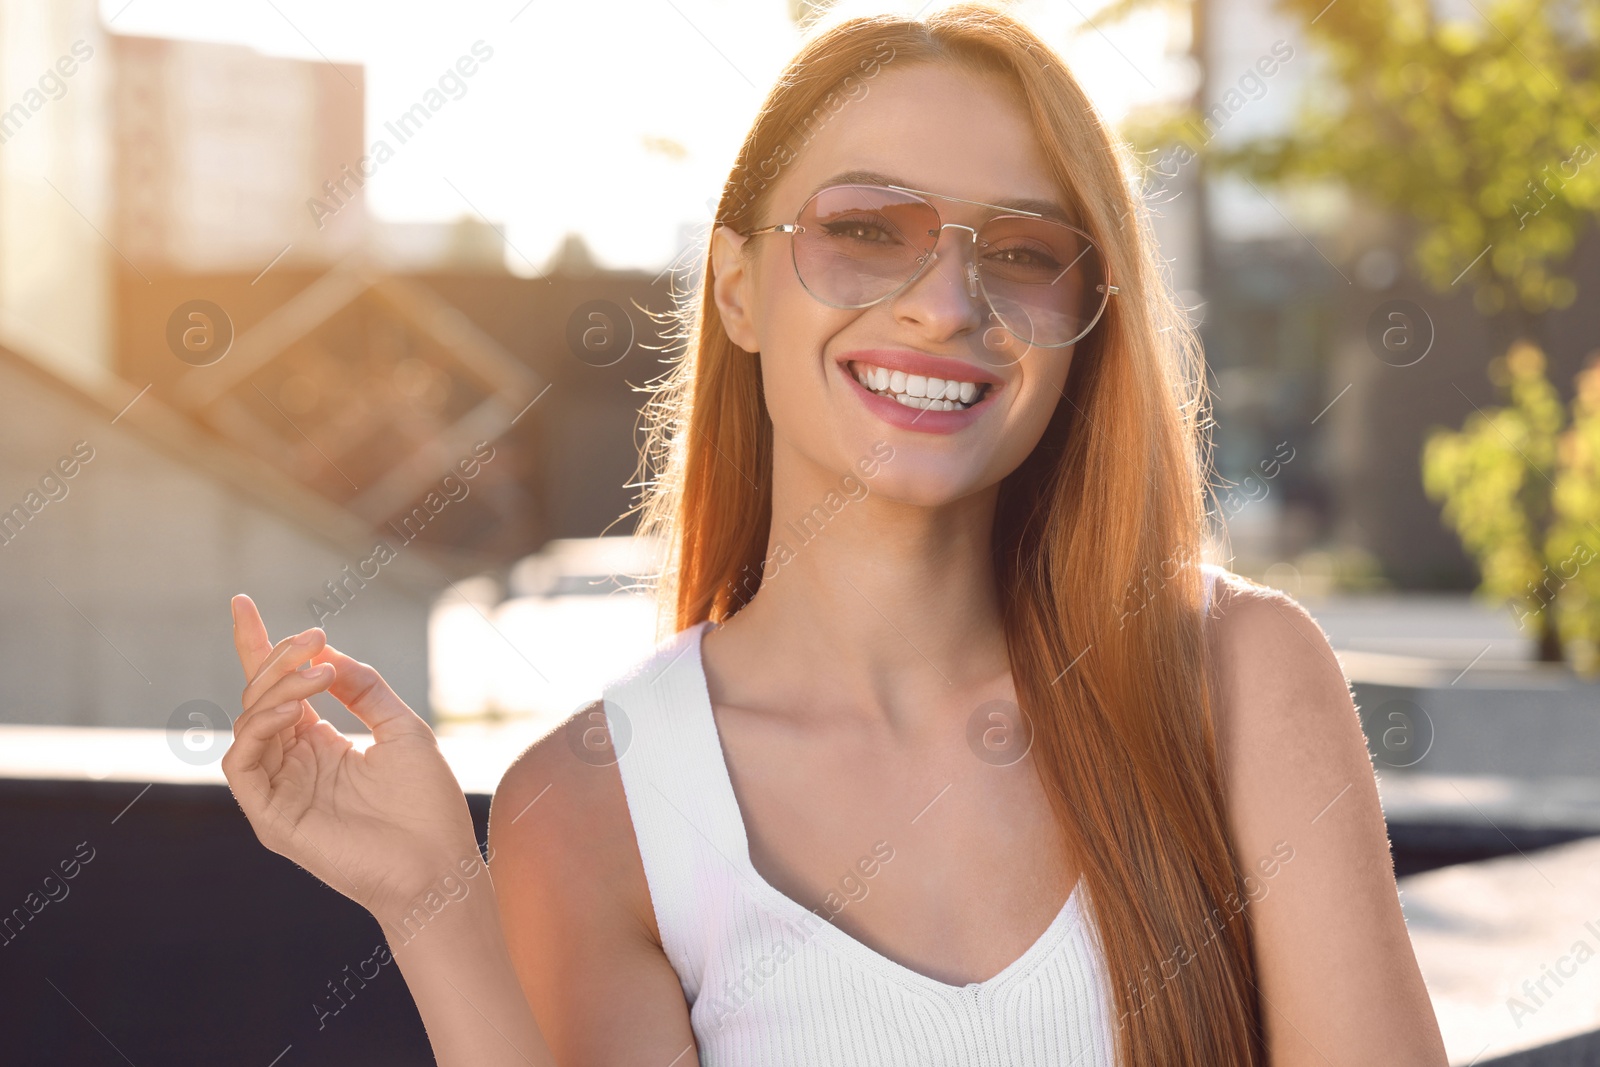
{"x": 1098, "y": 534}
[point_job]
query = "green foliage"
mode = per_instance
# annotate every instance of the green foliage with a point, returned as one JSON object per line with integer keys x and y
{"x": 1522, "y": 491}
{"x": 1477, "y": 128}
{"x": 1574, "y": 543}
{"x": 1491, "y": 475}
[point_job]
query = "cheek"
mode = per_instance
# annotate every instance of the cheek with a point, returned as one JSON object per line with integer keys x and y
{"x": 794, "y": 331}
{"x": 787, "y": 318}
{"x": 1035, "y": 395}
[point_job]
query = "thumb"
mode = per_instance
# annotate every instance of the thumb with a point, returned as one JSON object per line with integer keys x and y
{"x": 362, "y": 689}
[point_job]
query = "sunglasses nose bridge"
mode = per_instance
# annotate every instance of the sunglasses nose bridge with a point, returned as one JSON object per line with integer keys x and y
{"x": 969, "y": 268}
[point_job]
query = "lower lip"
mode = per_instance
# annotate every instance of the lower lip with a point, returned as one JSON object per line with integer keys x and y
{"x": 922, "y": 420}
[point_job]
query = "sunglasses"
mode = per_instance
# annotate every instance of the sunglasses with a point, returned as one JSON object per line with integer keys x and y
{"x": 856, "y": 245}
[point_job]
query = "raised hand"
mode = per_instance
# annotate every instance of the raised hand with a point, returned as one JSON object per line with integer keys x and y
{"x": 382, "y": 826}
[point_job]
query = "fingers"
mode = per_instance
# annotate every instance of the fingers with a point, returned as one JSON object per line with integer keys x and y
{"x": 257, "y": 653}
{"x": 273, "y": 676}
{"x": 369, "y": 698}
{"x": 242, "y": 763}
{"x": 250, "y": 639}
{"x": 293, "y": 685}
{"x": 282, "y": 661}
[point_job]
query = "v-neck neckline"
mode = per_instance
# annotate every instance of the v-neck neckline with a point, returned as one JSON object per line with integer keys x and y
{"x": 1067, "y": 919}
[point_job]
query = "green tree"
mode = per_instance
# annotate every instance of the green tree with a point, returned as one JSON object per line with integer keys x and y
{"x": 1520, "y": 484}
{"x": 1574, "y": 543}
{"x": 1492, "y": 478}
{"x": 1475, "y": 131}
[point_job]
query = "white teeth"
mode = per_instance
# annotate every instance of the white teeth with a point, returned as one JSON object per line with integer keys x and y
{"x": 924, "y": 403}
{"x": 918, "y": 391}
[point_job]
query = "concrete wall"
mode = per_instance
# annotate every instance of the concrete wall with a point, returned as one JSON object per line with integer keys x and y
{"x": 1518, "y": 732}
{"x": 114, "y": 598}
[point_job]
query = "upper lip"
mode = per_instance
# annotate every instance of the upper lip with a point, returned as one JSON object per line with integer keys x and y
{"x": 919, "y": 363}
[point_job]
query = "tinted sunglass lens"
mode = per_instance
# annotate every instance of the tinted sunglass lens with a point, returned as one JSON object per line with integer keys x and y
{"x": 859, "y": 243}
{"x": 1045, "y": 281}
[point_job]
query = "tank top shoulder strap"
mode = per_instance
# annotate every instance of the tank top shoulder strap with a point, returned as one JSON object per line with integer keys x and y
{"x": 670, "y": 760}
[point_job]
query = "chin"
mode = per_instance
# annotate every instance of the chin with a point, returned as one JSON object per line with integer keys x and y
{"x": 931, "y": 483}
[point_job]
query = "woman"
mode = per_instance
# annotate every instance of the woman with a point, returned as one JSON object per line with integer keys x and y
{"x": 954, "y": 753}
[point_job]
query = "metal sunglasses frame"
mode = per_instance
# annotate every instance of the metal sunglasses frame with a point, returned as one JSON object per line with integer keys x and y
{"x": 975, "y": 284}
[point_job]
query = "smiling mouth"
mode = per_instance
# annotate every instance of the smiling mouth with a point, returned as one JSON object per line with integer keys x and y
{"x": 918, "y": 391}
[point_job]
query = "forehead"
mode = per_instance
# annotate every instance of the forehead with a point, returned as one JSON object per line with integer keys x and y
{"x": 933, "y": 126}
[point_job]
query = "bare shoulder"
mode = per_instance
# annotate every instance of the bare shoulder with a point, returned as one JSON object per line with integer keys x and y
{"x": 1245, "y": 610}
{"x": 1338, "y": 978}
{"x": 1277, "y": 672}
{"x": 557, "y": 813}
{"x": 1289, "y": 736}
{"x": 576, "y": 907}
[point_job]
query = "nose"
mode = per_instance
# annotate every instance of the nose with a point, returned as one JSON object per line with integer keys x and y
{"x": 944, "y": 300}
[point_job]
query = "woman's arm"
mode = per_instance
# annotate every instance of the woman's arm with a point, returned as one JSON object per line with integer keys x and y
{"x": 580, "y": 924}
{"x": 460, "y": 976}
{"x": 1338, "y": 980}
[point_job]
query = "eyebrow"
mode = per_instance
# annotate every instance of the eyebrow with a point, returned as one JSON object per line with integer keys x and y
{"x": 1048, "y": 209}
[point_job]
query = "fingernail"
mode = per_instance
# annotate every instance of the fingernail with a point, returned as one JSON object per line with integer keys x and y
{"x": 313, "y": 671}
{"x": 303, "y": 639}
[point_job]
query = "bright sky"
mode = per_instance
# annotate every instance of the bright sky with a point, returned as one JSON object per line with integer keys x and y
{"x": 555, "y": 131}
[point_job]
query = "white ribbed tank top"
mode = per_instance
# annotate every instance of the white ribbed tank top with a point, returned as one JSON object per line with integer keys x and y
{"x": 770, "y": 982}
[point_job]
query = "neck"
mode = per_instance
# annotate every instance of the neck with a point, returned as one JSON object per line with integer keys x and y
{"x": 869, "y": 603}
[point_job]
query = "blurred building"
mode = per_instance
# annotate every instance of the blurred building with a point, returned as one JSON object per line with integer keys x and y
{"x": 218, "y": 149}
{"x": 284, "y": 398}
{"x": 468, "y": 245}
{"x": 369, "y": 388}
{"x": 55, "y": 186}
{"x": 1257, "y": 288}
